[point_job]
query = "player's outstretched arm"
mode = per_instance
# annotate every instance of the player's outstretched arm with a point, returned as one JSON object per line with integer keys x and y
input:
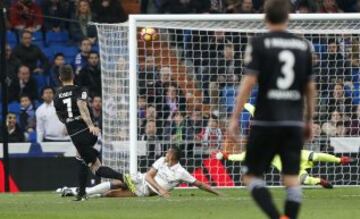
{"x": 247, "y": 83}
{"x": 206, "y": 187}
{"x": 150, "y": 178}
{"x": 310, "y": 91}
{"x": 232, "y": 157}
{"x": 85, "y": 115}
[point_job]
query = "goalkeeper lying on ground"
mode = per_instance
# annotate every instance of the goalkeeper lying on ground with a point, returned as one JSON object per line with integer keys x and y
{"x": 164, "y": 175}
{"x": 308, "y": 159}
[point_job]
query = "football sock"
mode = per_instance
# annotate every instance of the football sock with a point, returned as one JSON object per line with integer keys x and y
{"x": 263, "y": 198}
{"x": 323, "y": 157}
{"x": 99, "y": 189}
{"x": 83, "y": 175}
{"x": 107, "y": 172}
{"x": 293, "y": 201}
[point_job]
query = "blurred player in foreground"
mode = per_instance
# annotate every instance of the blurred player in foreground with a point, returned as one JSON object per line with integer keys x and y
{"x": 165, "y": 174}
{"x": 307, "y": 161}
{"x": 280, "y": 63}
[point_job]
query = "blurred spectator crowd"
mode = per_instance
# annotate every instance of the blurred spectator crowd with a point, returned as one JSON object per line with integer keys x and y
{"x": 46, "y": 34}
{"x": 41, "y": 37}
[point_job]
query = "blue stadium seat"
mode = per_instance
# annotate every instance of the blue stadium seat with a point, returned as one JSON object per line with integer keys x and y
{"x": 41, "y": 81}
{"x": 0, "y": 111}
{"x": 37, "y": 103}
{"x": 229, "y": 93}
{"x": 320, "y": 48}
{"x": 14, "y": 107}
{"x": 253, "y": 95}
{"x": 38, "y": 39}
{"x": 48, "y": 53}
{"x": 95, "y": 48}
{"x": 32, "y": 137}
{"x": 68, "y": 51}
{"x": 57, "y": 38}
{"x": 35, "y": 149}
{"x": 11, "y": 38}
{"x": 356, "y": 93}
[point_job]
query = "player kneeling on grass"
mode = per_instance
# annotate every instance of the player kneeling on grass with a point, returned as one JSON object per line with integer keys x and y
{"x": 307, "y": 161}
{"x": 164, "y": 175}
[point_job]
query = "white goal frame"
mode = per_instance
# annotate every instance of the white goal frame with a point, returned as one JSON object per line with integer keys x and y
{"x": 133, "y": 50}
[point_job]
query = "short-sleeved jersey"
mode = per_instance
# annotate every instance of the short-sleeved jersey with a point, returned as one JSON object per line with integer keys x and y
{"x": 66, "y": 107}
{"x": 283, "y": 65}
{"x": 170, "y": 177}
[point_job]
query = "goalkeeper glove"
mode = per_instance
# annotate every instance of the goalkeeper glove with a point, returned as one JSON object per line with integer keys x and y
{"x": 222, "y": 155}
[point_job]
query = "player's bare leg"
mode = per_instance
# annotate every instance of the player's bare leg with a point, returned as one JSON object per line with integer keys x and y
{"x": 293, "y": 195}
{"x": 118, "y": 193}
{"x": 261, "y": 195}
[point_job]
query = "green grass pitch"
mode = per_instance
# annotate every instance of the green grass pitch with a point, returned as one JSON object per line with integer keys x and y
{"x": 339, "y": 203}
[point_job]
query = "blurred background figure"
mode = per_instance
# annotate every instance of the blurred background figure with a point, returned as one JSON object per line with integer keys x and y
{"x": 14, "y": 131}
{"x": 26, "y": 15}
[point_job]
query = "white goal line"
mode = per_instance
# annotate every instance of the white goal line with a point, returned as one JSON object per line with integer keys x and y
{"x": 272, "y": 187}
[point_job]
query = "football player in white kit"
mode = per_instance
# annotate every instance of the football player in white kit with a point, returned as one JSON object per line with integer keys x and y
{"x": 165, "y": 174}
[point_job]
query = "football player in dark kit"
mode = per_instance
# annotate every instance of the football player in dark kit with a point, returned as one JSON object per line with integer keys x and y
{"x": 72, "y": 109}
{"x": 280, "y": 63}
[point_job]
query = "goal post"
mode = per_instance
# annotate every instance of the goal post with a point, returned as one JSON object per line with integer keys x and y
{"x": 183, "y": 86}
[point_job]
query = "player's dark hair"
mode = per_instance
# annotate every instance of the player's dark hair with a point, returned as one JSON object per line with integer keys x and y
{"x": 93, "y": 52}
{"x": 11, "y": 113}
{"x": 277, "y": 11}
{"x": 26, "y": 32}
{"x": 59, "y": 54}
{"x": 47, "y": 88}
{"x": 95, "y": 96}
{"x": 331, "y": 41}
{"x": 84, "y": 39}
{"x": 177, "y": 152}
{"x": 66, "y": 73}
{"x": 24, "y": 96}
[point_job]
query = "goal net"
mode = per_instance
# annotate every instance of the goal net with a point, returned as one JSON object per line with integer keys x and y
{"x": 179, "y": 89}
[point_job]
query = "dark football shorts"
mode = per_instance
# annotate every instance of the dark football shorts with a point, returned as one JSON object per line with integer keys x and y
{"x": 265, "y": 142}
{"x": 84, "y": 142}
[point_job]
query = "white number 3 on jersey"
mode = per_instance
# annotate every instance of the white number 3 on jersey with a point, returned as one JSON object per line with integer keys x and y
{"x": 287, "y": 70}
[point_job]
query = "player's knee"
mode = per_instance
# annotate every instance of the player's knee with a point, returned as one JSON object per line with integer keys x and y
{"x": 291, "y": 180}
{"x": 247, "y": 179}
{"x": 254, "y": 183}
{"x": 95, "y": 166}
{"x": 116, "y": 184}
{"x": 294, "y": 194}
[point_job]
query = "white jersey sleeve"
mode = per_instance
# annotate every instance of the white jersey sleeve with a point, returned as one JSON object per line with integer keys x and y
{"x": 187, "y": 177}
{"x": 158, "y": 163}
